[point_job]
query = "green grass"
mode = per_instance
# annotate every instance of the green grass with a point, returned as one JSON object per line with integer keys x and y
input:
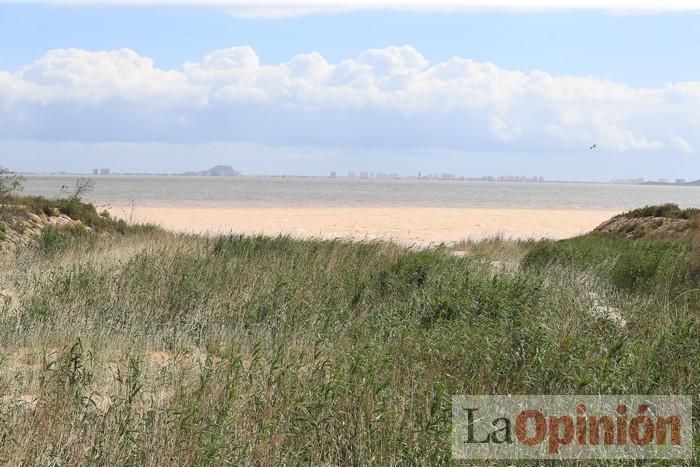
{"x": 155, "y": 348}
{"x": 664, "y": 210}
{"x": 648, "y": 267}
{"x": 73, "y": 208}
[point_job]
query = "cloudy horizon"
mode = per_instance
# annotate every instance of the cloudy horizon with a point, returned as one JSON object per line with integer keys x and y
{"x": 394, "y": 108}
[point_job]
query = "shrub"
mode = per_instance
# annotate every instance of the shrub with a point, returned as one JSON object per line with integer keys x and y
{"x": 73, "y": 208}
{"x": 668, "y": 210}
{"x": 54, "y": 240}
{"x": 641, "y": 265}
{"x": 10, "y": 184}
{"x": 638, "y": 270}
{"x": 88, "y": 215}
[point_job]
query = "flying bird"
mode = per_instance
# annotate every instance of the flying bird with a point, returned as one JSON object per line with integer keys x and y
{"x": 594, "y": 146}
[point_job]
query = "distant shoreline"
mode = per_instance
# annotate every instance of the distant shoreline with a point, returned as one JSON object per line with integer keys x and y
{"x": 695, "y": 183}
{"x": 268, "y": 193}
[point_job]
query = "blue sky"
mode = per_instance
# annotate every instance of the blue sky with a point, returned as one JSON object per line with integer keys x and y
{"x": 638, "y": 49}
{"x": 537, "y": 87}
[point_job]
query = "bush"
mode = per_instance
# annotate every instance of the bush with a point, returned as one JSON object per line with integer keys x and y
{"x": 638, "y": 270}
{"x": 10, "y": 184}
{"x": 668, "y": 210}
{"x": 73, "y": 208}
{"x": 88, "y": 215}
{"x": 643, "y": 265}
{"x": 54, "y": 240}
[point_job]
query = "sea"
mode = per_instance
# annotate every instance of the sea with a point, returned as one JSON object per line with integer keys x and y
{"x": 327, "y": 192}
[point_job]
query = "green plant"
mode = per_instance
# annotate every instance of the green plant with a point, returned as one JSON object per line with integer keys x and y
{"x": 10, "y": 184}
{"x": 156, "y": 348}
{"x": 73, "y": 208}
{"x": 645, "y": 266}
{"x": 664, "y": 210}
{"x": 53, "y": 240}
{"x": 82, "y": 186}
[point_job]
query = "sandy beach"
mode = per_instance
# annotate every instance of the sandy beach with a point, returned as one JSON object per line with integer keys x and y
{"x": 408, "y": 225}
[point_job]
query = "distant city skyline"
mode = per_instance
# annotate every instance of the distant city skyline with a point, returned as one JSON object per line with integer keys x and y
{"x": 56, "y": 157}
{"x": 228, "y": 171}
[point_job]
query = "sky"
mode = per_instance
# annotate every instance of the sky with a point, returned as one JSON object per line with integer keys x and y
{"x": 470, "y": 87}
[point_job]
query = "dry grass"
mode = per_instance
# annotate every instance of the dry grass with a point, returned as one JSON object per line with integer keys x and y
{"x": 162, "y": 349}
{"x": 496, "y": 248}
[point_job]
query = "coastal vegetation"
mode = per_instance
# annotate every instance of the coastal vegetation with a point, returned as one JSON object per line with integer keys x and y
{"x": 669, "y": 210}
{"x": 128, "y": 344}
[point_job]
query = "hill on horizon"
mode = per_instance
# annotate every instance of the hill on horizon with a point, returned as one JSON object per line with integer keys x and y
{"x": 216, "y": 171}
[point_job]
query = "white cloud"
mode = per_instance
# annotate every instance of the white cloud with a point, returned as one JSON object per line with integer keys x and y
{"x": 281, "y": 8}
{"x": 91, "y": 77}
{"x": 385, "y": 98}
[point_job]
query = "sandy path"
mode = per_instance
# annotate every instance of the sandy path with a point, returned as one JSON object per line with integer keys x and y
{"x": 419, "y": 225}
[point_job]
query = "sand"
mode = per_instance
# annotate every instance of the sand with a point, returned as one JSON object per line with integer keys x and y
{"x": 406, "y": 225}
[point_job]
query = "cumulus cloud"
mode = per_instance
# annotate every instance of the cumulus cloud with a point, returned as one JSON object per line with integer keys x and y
{"x": 383, "y": 98}
{"x": 92, "y": 77}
